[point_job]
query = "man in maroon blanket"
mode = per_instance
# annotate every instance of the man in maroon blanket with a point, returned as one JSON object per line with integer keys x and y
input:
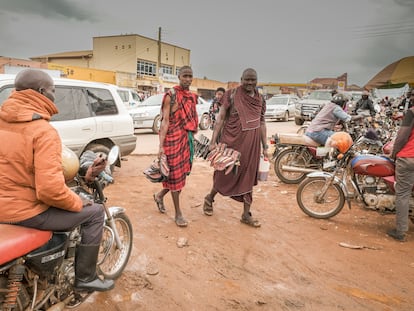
{"x": 243, "y": 128}
{"x": 179, "y": 122}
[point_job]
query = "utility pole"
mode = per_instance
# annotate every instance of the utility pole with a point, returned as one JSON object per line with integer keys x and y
{"x": 159, "y": 52}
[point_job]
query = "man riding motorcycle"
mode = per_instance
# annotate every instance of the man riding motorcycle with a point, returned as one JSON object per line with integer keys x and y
{"x": 33, "y": 192}
{"x": 365, "y": 105}
{"x": 322, "y": 126}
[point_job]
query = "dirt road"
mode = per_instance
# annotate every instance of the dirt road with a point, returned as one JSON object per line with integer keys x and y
{"x": 293, "y": 262}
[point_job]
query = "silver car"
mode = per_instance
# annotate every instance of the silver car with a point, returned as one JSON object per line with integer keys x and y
{"x": 147, "y": 114}
{"x": 281, "y": 107}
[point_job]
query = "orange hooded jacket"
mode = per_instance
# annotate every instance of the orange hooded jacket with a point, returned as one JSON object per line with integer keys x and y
{"x": 31, "y": 174}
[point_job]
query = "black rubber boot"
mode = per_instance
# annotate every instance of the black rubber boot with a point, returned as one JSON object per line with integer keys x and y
{"x": 85, "y": 270}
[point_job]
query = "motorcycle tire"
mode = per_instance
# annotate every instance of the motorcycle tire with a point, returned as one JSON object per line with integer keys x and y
{"x": 327, "y": 206}
{"x": 112, "y": 261}
{"x": 287, "y": 157}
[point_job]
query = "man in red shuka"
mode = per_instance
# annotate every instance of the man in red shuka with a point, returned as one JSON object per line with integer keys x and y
{"x": 179, "y": 123}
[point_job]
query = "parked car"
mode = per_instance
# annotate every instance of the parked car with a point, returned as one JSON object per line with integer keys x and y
{"x": 306, "y": 109}
{"x": 129, "y": 97}
{"x": 91, "y": 115}
{"x": 147, "y": 115}
{"x": 281, "y": 107}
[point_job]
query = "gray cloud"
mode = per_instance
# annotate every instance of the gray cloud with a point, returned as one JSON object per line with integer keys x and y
{"x": 53, "y": 9}
{"x": 285, "y": 41}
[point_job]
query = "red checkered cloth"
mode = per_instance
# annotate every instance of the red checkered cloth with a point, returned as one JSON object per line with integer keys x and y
{"x": 176, "y": 143}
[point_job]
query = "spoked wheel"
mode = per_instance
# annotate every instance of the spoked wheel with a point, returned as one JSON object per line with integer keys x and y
{"x": 292, "y": 158}
{"x": 316, "y": 204}
{"x": 112, "y": 260}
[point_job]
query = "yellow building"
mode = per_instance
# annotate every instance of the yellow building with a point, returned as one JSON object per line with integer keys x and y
{"x": 153, "y": 63}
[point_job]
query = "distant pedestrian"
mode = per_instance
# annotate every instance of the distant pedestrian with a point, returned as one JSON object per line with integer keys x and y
{"x": 215, "y": 106}
{"x": 242, "y": 126}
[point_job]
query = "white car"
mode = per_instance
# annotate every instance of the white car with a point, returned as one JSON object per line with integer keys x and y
{"x": 130, "y": 97}
{"x": 147, "y": 114}
{"x": 281, "y": 107}
{"x": 307, "y": 108}
{"x": 91, "y": 115}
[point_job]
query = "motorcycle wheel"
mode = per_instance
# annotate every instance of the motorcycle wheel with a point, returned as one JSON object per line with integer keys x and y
{"x": 112, "y": 265}
{"x": 316, "y": 206}
{"x": 286, "y": 157}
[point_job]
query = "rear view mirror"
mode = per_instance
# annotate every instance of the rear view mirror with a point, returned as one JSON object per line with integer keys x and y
{"x": 113, "y": 155}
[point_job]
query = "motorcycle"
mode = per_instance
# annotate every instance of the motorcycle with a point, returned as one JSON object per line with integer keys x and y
{"x": 296, "y": 155}
{"x": 37, "y": 267}
{"x": 366, "y": 177}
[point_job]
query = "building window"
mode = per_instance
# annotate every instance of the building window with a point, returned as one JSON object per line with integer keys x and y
{"x": 166, "y": 69}
{"x": 146, "y": 68}
{"x": 177, "y": 71}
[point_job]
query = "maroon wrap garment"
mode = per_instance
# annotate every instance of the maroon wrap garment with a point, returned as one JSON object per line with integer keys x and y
{"x": 241, "y": 132}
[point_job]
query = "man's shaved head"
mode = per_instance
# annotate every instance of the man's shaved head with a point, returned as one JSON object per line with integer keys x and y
{"x": 36, "y": 80}
{"x": 32, "y": 79}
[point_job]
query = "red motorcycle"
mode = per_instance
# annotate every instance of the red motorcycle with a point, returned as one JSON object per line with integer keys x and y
{"x": 296, "y": 155}
{"x": 371, "y": 178}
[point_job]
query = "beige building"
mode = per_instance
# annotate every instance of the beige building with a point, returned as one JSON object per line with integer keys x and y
{"x": 139, "y": 62}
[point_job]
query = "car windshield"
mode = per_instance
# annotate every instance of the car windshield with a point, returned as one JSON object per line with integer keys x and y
{"x": 277, "y": 101}
{"x": 320, "y": 95}
{"x": 356, "y": 96}
{"x": 154, "y": 100}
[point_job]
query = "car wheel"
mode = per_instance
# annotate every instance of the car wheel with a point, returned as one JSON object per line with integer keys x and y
{"x": 286, "y": 116}
{"x": 204, "y": 122}
{"x": 299, "y": 121}
{"x": 156, "y": 125}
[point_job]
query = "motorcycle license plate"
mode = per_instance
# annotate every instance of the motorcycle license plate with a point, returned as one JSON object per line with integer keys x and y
{"x": 329, "y": 164}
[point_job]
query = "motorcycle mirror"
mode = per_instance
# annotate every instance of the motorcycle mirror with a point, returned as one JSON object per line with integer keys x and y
{"x": 113, "y": 155}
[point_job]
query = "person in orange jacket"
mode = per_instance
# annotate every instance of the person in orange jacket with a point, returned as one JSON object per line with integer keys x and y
{"x": 33, "y": 192}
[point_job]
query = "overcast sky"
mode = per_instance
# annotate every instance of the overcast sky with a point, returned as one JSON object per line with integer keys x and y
{"x": 285, "y": 41}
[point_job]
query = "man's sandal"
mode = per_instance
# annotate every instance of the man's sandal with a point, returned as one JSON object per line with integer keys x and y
{"x": 250, "y": 221}
{"x": 208, "y": 206}
{"x": 160, "y": 204}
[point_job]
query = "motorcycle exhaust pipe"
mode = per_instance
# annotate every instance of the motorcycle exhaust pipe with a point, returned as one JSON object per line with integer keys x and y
{"x": 298, "y": 169}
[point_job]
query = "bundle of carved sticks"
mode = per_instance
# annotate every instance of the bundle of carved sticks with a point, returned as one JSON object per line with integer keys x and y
{"x": 222, "y": 158}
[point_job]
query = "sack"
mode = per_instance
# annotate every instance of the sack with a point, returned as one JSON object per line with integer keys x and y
{"x": 158, "y": 170}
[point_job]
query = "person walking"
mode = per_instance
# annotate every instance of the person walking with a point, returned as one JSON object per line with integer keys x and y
{"x": 241, "y": 125}
{"x": 215, "y": 106}
{"x": 33, "y": 192}
{"x": 403, "y": 153}
{"x": 178, "y": 125}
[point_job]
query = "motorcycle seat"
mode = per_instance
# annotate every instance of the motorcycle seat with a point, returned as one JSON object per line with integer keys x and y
{"x": 297, "y": 139}
{"x": 16, "y": 241}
